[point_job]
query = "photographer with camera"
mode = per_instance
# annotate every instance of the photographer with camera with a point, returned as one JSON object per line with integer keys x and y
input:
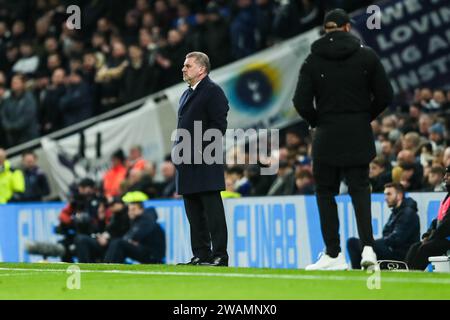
{"x": 91, "y": 249}
{"x": 145, "y": 239}
{"x": 80, "y": 216}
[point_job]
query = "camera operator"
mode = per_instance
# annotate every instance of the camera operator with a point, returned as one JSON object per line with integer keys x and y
{"x": 92, "y": 248}
{"x": 80, "y": 216}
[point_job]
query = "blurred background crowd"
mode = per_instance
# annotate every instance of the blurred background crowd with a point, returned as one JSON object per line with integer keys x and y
{"x": 52, "y": 77}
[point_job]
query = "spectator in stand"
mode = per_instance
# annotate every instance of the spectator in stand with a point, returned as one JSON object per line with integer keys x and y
{"x": 399, "y": 233}
{"x": 135, "y": 159}
{"x": 109, "y": 77}
{"x": 379, "y": 175}
{"x": 50, "y": 100}
{"x": 12, "y": 182}
{"x": 29, "y": 61}
{"x": 19, "y": 113}
{"x": 284, "y": 184}
{"x": 411, "y": 141}
{"x": 388, "y": 152}
{"x": 446, "y": 157}
{"x": 168, "y": 189}
{"x": 435, "y": 180}
{"x": 436, "y": 136}
{"x": 170, "y": 58}
{"x": 241, "y": 183}
{"x": 36, "y": 183}
{"x": 138, "y": 78}
{"x": 260, "y": 184}
{"x": 425, "y": 123}
{"x": 295, "y": 17}
{"x": 425, "y": 98}
{"x": 115, "y": 175}
{"x": 216, "y": 36}
{"x": 304, "y": 182}
{"x": 439, "y": 101}
{"x": 411, "y": 176}
{"x": 230, "y": 190}
{"x": 243, "y": 32}
{"x": 76, "y": 104}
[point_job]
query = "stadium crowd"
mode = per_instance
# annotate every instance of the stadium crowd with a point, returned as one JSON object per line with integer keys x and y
{"x": 52, "y": 76}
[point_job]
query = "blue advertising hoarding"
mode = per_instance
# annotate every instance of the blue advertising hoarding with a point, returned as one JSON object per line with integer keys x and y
{"x": 273, "y": 232}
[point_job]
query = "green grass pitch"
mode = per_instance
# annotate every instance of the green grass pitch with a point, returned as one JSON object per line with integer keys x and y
{"x": 167, "y": 282}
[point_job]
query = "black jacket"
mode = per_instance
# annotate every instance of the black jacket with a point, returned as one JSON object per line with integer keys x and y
{"x": 439, "y": 229}
{"x": 349, "y": 86}
{"x": 36, "y": 185}
{"x": 146, "y": 231}
{"x": 119, "y": 224}
{"x": 209, "y": 105}
{"x": 402, "y": 228}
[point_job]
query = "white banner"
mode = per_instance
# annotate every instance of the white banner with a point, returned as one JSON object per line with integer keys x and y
{"x": 139, "y": 127}
{"x": 260, "y": 87}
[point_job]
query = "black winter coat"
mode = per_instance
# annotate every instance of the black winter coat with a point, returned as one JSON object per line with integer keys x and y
{"x": 342, "y": 87}
{"x": 209, "y": 105}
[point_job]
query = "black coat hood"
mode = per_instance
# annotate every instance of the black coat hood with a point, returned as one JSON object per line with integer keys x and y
{"x": 336, "y": 45}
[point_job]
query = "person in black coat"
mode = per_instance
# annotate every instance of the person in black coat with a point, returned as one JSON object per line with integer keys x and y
{"x": 349, "y": 86}
{"x": 436, "y": 241}
{"x": 144, "y": 241}
{"x": 200, "y": 183}
{"x": 36, "y": 183}
{"x": 399, "y": 233}
{"x": 76, "y": 104}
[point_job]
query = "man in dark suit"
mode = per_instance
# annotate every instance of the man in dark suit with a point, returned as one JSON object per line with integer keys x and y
{"x": 198, "y": 181}
{"x": 349, "y": 86}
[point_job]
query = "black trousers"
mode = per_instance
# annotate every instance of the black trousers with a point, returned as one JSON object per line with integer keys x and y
{"x": 418, "y": 254}
{"x": 328, "y": 179}
{"x": 120, "y": 249}
{"x": 355, "y": 248}
{"x": 88, "y": 249}
{"x": 206, "y": 215}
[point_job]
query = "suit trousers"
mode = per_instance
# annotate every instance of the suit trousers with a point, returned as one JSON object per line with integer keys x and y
{"x": 328, "y": 179}
{"x": 206, "y": 215}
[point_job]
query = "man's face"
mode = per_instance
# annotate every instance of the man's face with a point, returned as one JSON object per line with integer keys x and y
{"x": 85, "y": 190}
{"x": 374, "y": 170}
{"x": 392, "y": 197}
{"x": 29, "y": 161}
{"x": 134, "y": 211}
{"x": 447, "y": 180}
{"x": 434, "y": 179}
{"x": 17, "y": 85}
{"x": 192, "y": 71}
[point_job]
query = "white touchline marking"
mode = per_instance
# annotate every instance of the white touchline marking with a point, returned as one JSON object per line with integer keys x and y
{"x": 245, "y": 275}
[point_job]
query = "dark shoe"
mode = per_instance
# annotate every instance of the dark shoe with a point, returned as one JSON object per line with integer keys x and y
{"x": 195, "y": 261}
{"x": 216, "y": 262}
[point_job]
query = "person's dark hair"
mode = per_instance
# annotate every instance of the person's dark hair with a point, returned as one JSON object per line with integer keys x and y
{"x": 120, "y": 155}
{"x": 380, "y": 161}
{"x": 397, "y": 186}
{"x": 438, "y": 170}
{"x": 139, "y": 204}
{"x": 29, "y": 152}
{"x": 239, "y": 170}
{"x": 304, "y": 174}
